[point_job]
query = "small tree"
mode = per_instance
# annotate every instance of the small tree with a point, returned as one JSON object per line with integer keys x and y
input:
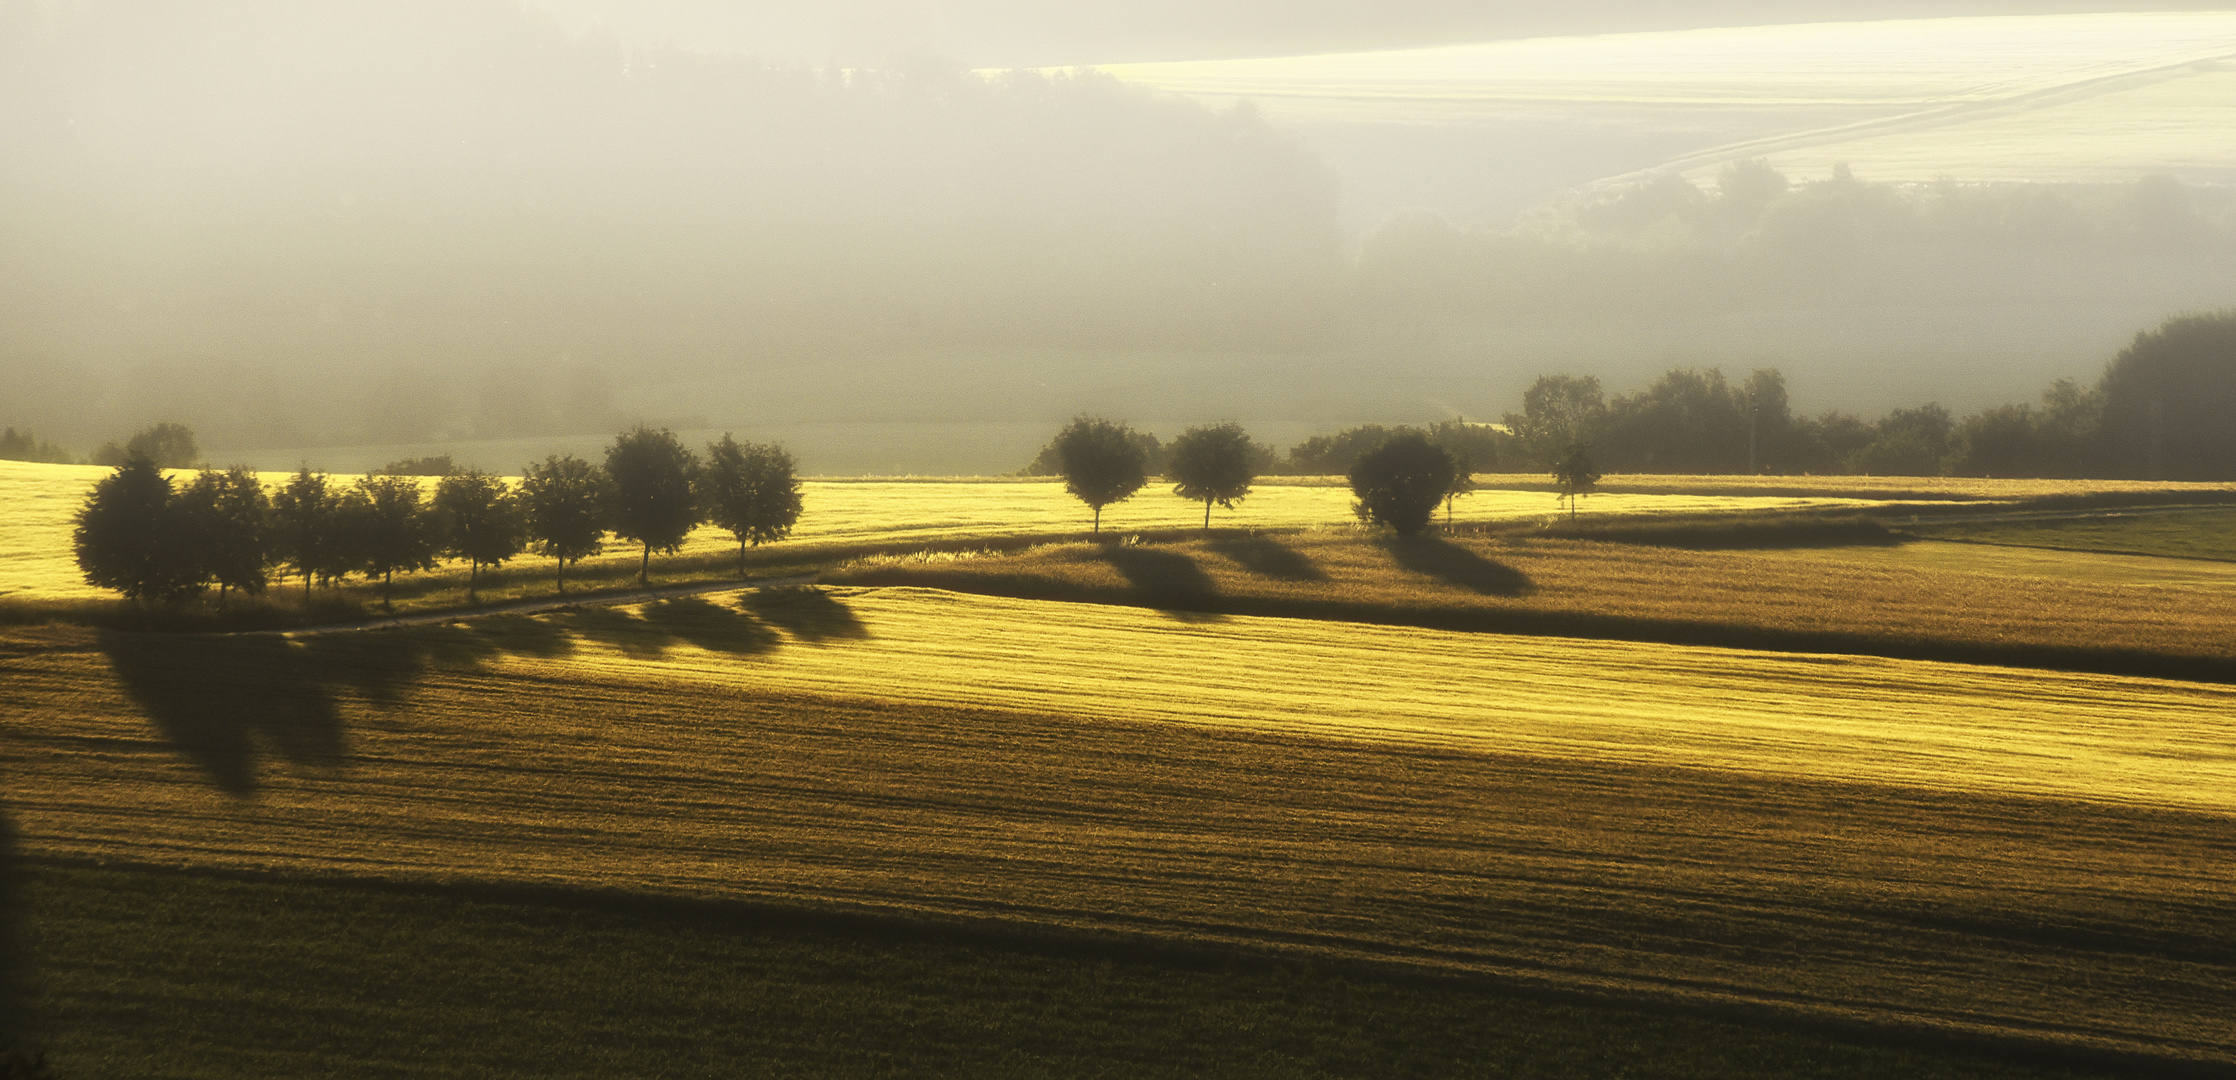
{"x": 397, "y": 532}
{"x": 126, "y": 535}
{"x": 1212, "y": 464}
{"x": 1399, "y": 483}
{"x": 561, "y": 502}
{"x": 1576, "y": 476}
{"x": 303, "y": 528}
{"x": 650, "y": 491}
{"x": 170, "y": 446}
{"x": 478, "y": 521}
{"x": 749, "y": 489}
{"x": 226, "y": 525}
{"x": 1102, "y": 462}
{"x": 1463, "y": 479}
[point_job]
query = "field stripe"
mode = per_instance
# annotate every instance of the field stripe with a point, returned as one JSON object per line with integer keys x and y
{"x": 1903, "y": 722}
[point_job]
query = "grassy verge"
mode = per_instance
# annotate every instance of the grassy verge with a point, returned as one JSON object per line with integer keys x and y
{"x": 150, "y": 973}
{"x": 1572, "y": 586}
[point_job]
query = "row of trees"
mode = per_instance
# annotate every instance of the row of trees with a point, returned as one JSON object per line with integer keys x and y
{"x": 139, "y": 535}
{"x": 1397, "y": 475}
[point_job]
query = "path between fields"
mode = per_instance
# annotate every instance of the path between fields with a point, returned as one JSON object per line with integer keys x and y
{"x": 549, "y": 603}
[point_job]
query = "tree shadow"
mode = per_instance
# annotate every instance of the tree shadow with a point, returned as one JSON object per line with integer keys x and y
{"x": 1267, "y": 557}
{"x": 15, "y": 993}
{"x": 809, "y": 615}
{"x": 224, "y": 700}
{"x": 711, "y": 626}
{"x": 218, "y": 699}
{"x": 1452, "y": 564}
{"x": 1165, "y": 580}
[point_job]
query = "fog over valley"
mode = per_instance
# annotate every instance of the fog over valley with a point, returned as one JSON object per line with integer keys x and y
{"x": 339, "y": 232}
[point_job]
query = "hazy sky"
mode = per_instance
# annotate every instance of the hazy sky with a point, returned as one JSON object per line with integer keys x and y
{"x": 1037, "y": 33}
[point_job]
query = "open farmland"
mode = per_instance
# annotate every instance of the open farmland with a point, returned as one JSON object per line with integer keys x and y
{"x": 1888, "y": 600}
{"x": 1914, "y": 845}
{"x": 2189, "y": 534}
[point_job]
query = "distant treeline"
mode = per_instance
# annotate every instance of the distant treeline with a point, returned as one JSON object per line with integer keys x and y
{"x": 2165, "y": 409}
{"x": 139, "y": 535}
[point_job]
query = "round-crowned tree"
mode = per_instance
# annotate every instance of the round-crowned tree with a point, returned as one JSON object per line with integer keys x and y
{"x": 479, "y": 521}
{"x": 1101, "y": 462}
{"x": 1212, "y": 464}
{"x": 751, "y": 490}
{"x": 397, "y": 532}
{"x": 226, "y": 524}
{"x": 1576, "y": 476}
{"x": 562, "y": 502}
{"x": 1400, "y": 482}
{"x": 650, "y": 495}
{"x": 126, "y": 532}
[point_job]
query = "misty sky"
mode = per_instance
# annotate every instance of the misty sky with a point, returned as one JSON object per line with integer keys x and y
{"x": 384, "y": 224}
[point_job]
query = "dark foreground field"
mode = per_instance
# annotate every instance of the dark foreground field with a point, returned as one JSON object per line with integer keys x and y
{"x": 158, "y": 973}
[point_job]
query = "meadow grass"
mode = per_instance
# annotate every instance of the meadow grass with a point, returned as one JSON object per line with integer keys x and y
{"x": 144, "y": 973}
{"x": 1922, "y": 848}
{"x": 2193, "y": 534}
{"x": 1869, "y": 599}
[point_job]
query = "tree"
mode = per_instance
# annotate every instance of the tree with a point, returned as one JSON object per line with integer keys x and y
{"x": 562, "y": 502}
{"x": 1212, "y": 463}
{"x": 396, "y": 531}
{"x": 478, "y": 521}
{"x": 303, "y": 526}
{"x": 1463, "y": 479}
{"x": 1558, "y": 411}
{"x": 126, "y": 531}
{"x": 225, "y": 524}
{"x": 1102, "y": 463}
{"x": 1333, "y": 455}
{"x": 650, "y": 495}
{"x": 749, "y": 489}
{"x": 1576, "y": 476}
{"x": 24, "y": 446}
{"x": 169, "y": 445}
{"x": 1399, "y": 483}
{"x": 2167, "y": 400}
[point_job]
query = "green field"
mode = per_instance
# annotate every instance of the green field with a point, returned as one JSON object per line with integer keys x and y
{"x": 2183, "y": 534}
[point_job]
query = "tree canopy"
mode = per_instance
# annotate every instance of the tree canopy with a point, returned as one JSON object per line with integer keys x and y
{"x": 126, "y": 533}
{"x": 1212, "y": 463}
{"x": 1400, "y": 482}
{"x": 749, "y": 489}
{"x": 1576, "y": 476}
{"x": 1102, "y": 462}
{"x": 224, "y": 525}
{"x": 562, "y": 501}
{"x": 650, "y": 500}
{"x": 478, "y": 521}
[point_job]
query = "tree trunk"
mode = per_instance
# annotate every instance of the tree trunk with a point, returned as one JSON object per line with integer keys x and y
{"x": 1098, "y": 521}
{"x": 387, "y": 579}
{"x": 644, "y": 572}
{"x": 562, "y": 575}
{"x": 1207, "y": 515}
{"x": 741, "y": 560}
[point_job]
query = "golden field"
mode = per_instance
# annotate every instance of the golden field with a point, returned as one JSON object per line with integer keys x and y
{"x": 1916, "y": 598}
{"x": 1928, "y": 846}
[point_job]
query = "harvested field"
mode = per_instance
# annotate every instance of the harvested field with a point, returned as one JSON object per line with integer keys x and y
{"x": 1916, "y": 845}
{"x": 1877, "y": 600}
{"x": 2192, "y": 534}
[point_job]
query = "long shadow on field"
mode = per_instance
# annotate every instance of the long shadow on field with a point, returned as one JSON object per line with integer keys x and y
{"x": 809, "y": 615}
{"x": 1454, "y": 565}
{"x": 217, "y": 699}
{"x": 14, "y": 993}
{"x": 1166, "y": 580}
{"x": 1267, "y": 557}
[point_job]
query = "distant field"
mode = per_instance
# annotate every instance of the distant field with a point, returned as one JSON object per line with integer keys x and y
{"x": 1915, "y": 845}
{"x": 2195, "y": 534}
{"x": 1877, "y": 599}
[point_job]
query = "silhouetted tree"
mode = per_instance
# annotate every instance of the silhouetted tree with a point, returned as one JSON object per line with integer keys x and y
{"x": 306, "y": 534}
{"x": 650, "y": 495}
{"x": 2169, "y": 399}
{"x": 1558, "y": 411}
{"x": 1688, "y": 421}
{"x": 1333, "y": 455}
{"x": 1907, "y": 442}
{"x": 1212, "y": 463}
{"x": 562, "y": 501}
{"x": 436, "y": 465}
{"x": 1399, "y": 483}
{"x": 225, "y": 522}
{"x": 1576, "y": 476}
{"x": 479, "y": 522}
{"x": 24, "y": 446}
{"x": 169, "y": 445}
{"x": 126, "y": 536}
{"x": 749, "y": 489}
{"x": 398, "y": 533}
{"x": 1101, "y": 461}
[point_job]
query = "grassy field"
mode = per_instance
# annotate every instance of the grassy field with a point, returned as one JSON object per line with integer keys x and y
{"x": 1883, "y": 600}
{"x": 2192, "y": 534}
{"x": 1916, "y": 847}
{"x": 151, "y": 973}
